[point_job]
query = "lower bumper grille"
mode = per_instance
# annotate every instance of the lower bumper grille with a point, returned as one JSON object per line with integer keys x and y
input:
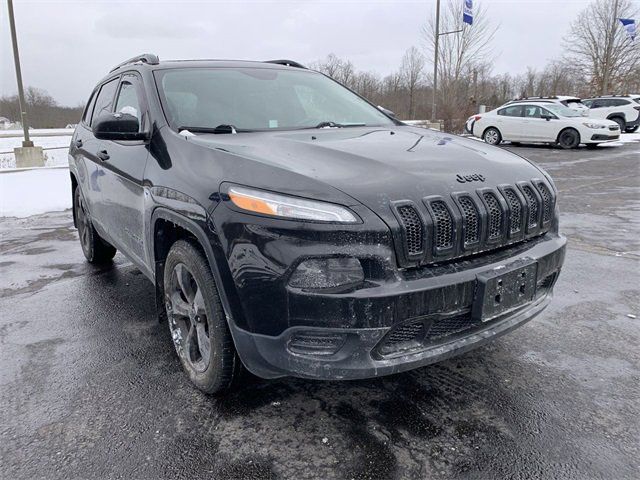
{"x": 420, "y": 333}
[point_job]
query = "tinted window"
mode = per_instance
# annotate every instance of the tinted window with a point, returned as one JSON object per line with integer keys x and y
{"x": 128, "y": 101}
{"x": 588, "y": 103}
{"x": 532, "y": 111}
{"x": 260, "y": 98}
{"x": 616, "y": 102}
{"x": 104, "y": 102}
{"x": 514, "y": 111}
{"x": 86, "y": 117}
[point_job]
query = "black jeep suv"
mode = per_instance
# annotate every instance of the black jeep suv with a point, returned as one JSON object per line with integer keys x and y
{"x": 292, "y": 227}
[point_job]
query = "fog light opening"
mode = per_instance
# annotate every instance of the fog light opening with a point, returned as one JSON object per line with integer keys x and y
{"x": 320, "y": 273}
{"x": 316, "y": 343}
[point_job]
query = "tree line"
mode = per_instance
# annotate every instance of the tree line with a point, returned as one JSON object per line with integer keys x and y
{"x": 42, "y": 110}
{"x": 599, "y": 59}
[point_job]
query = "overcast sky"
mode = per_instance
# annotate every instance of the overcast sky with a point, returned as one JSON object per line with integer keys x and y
{"x": 66, "y": 46}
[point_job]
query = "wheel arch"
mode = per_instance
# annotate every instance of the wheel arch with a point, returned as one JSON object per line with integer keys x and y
{"x": 619, "y": 115}
{"x": 569, "y": 128}
{"x": 495, "y": 128}
{"x": 168, "y": 226}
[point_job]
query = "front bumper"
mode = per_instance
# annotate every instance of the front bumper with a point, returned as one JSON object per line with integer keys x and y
{"x": 352, "y": 353}
{"x": 599, "y": 137}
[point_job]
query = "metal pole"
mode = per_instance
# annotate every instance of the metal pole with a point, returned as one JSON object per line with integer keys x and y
{"x": 435, "y": 63}
{"x": 609, "y": 50}
{"x": 16, "y": 58}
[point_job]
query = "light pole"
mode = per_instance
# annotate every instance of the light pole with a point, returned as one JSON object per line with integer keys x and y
{"x": 16, "y": 58}
{"x": 435, "y": 63}
{"x": 435, "y": 60}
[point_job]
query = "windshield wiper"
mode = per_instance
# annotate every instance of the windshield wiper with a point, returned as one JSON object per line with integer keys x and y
{"x": 338, "y": 125}
{"x": 223, "y": 128}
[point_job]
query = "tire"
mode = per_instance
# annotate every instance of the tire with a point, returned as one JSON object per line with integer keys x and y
{"x": 569, "y": 138}
{"x": 95, "y": 249}
{"x": 197, "y": 322}
{"x": 492, "y": 136}
{"x": 592, "y": 146}
{"x": 621, "y": 123}
{"x": 631, "y": 129}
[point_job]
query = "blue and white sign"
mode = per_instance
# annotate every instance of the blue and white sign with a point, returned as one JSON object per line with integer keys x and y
{"x": 629, "y": 25}
{"x": 467, "y": 12}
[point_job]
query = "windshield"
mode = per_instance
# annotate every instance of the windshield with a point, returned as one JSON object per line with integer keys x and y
{"x": 260, "y": 99}
{"x": 562, "y": 111}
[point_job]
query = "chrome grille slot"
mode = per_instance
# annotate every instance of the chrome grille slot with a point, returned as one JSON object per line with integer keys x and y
{"x": 495, "y": 215}
{"x": 532, "y": 203}
{"x": 471, "y": 220}
{"x": 413, "y": 229}
{"x": 443, "y": 224}
{"x": 515, "y": 217}
{"x": 547, "y": 202}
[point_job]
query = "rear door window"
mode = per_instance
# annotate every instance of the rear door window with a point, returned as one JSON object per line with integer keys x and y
{"x": 104, "y": 101}
{"x": 513, "y": 111}
{"x": 532, "y": 111}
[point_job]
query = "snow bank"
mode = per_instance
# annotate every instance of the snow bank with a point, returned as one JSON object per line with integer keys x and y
{"x": 31, "y": 192}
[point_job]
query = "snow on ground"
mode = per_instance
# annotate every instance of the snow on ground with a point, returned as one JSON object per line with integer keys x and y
{"x": 31, "y": 192}
{"x": 55, "y": 147}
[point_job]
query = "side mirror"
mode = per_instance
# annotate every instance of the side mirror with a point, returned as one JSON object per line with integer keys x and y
{"x": 547, "y": 117}
{"x": 118, "y": 126}
{"x": 387, "y": 112}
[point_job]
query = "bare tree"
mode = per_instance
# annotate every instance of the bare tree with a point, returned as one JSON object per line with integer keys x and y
{"x": 411, "y": 73}
{"x": 600, "y": 49}
{"x": 336, "y": 68}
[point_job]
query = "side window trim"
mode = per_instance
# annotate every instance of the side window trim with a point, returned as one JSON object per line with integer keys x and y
{"x": 99, "y": 89}
{"x": 88, "y": 109}
{"x": 145, "y": 121}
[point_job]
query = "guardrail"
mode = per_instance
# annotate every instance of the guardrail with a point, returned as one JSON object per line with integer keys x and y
{"x": 38, "y": 132}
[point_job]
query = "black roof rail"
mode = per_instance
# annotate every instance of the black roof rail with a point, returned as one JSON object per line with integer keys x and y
{"x": 288, "y": 63}
{"x": 554, "y": 97}
{"x": 148, "y": 58}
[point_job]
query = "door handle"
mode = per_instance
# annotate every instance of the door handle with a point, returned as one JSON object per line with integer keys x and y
{"x": 78, "y": 142}
{"x": 103, "y": 155}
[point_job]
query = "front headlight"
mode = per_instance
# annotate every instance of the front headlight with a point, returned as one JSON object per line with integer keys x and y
{"x": 593, "y": 125}
{"x": 285, "y": 206}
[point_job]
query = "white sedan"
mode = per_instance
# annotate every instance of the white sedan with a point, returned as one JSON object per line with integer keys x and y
{"x": 542, "y": 123}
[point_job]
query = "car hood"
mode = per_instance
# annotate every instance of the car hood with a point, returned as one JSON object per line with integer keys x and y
{"x": 377, "y": 165}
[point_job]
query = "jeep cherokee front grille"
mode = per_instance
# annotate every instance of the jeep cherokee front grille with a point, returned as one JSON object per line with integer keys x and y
{"x": 471, "y": 222}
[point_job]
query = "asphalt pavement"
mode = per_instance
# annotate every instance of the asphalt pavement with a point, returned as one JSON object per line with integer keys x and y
{"x": 90, "y": 386}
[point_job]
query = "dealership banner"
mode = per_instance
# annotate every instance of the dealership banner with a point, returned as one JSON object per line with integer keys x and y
{"x": 467, "y": 13}
{"x": 629, "y": 25}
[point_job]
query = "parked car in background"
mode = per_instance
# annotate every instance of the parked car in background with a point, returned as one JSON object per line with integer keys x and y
{"x": 542, "y": 122}
{"x": 574, "y": 103}
{"x": 622, "y": 109}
